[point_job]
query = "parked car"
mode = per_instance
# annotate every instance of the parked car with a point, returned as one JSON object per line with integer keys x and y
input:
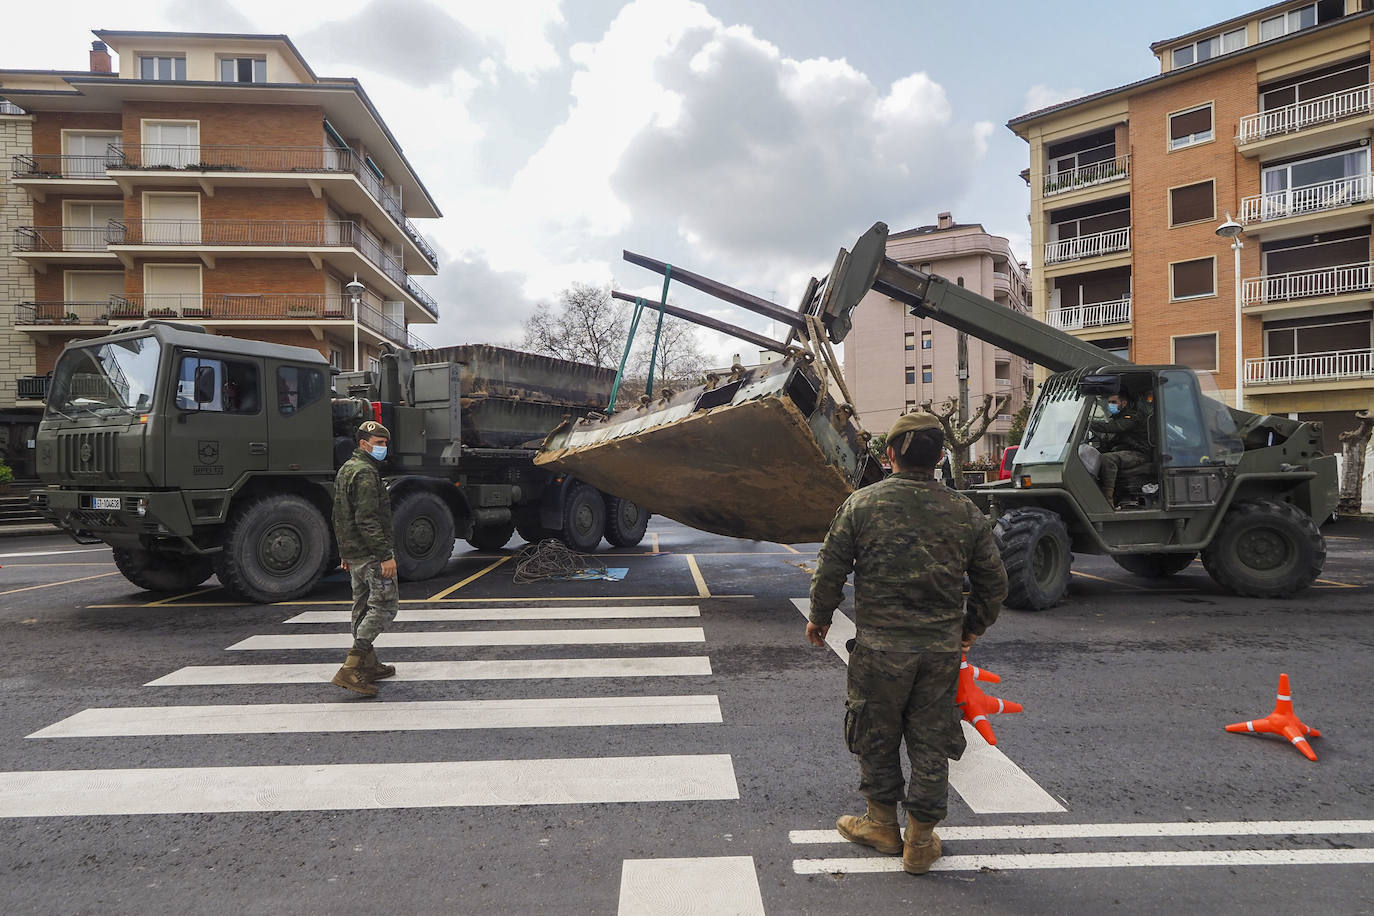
{"x": 1008, "y": 457}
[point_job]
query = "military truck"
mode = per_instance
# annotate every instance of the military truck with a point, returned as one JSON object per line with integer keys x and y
{"x": 194, "y": 454}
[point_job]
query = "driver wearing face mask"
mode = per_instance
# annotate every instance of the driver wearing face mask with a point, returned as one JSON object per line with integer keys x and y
{"x": 1125, "y": 442}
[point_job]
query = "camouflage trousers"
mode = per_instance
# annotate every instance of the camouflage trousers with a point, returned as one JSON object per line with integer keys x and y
{"x": 904, "y": 695}
{"x": 375, "y": 599}
{"x": 1113, "y": 463}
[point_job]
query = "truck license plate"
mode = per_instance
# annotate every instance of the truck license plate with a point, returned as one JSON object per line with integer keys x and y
{"x": 107, "y": 502}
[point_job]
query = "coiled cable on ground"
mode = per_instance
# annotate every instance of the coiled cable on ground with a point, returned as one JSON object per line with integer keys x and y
{"x": 552, "y": 559}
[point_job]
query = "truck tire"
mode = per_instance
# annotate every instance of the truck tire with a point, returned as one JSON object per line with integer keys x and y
{"x": 1035, "y": 549}
{"x": 584, "y": 518}
{"x": 423, "y": 526}
{"x": 626, "y": 522}
{"x": 275, "y": 549}
{"x": 162, "y": 572}
{"x": 1265, "y": 549}
{"x": 491, "y": 537}
{"x": 533, "y": 534}
{"x": 1155, "y": 565}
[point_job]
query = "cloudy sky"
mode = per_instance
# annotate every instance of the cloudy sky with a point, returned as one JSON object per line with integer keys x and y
{"x": 744, "y": 140}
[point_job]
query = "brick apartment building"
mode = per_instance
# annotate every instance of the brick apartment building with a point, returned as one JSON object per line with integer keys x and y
{"x": 894, "y": 361}
{"x": 1266, "y": 117}
{"x": 209, "y": 178}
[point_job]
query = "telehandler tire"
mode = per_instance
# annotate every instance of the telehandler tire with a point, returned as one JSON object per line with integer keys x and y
{"x": 1155, "y": 565}
{"x": 275, "y": 549}
{"x": 423, "y": 526}
{"x": 1265, "y": 549}
{"x": 162, "y": 572}
{"x": 626, "y": 522}
{"x": 1035, "y": 549}
{"x": 584, "y": 518}
{"x": 491, "y": 537}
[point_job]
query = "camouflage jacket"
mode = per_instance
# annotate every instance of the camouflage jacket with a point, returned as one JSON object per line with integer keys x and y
{"x": 909, "y": 541}
{"x": 362, "y": 510}
{"x": 1128, "y": 431}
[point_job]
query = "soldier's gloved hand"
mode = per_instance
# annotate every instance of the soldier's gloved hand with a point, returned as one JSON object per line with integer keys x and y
{"x": 388, "y": 569}
{"x": 816, "y": 635}
{"x": 968, "y": 641}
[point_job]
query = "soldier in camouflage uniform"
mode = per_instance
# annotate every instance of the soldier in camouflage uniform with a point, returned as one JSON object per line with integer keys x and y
{"x": 909, "y": 542}
{"x": 1125, "y": 437}
{"x": 362, "y": 525}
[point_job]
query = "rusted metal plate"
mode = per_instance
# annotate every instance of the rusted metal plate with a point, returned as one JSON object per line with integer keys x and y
{"x": 764, "y": 455}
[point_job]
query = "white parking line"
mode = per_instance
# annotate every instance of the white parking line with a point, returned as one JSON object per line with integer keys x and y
{"x": 482, "y": 670}
{"x": 985, "y": 778}
{"x": 54, "y": 553}
{"x": 446, "y": 615}
{"x": 430, "y": 715}
{"x": 1088, "y": 831}
{"x": 1041, "y": 860}
{"x": 590, "y": 637}
{"x": 345, "y": 787}
{"x": 717, "y": 886}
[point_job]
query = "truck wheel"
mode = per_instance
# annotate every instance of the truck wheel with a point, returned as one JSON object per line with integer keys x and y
{"x": 626, "y": 522}
{"x": 533, "y": 534}
{"x": 162, "y": 572}
{"x": 423, "y": 526}
{"x": 1155, "y": 565}
{"x": 584, "y": 518}
{"x": 492, "y": 537}
{"x": 1035, "y": 549}
{"x": 1265, "y": 549}
{"x": 275, "y": 549}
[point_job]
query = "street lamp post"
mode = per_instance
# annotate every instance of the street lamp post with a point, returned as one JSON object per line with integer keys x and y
{"x": 355, "y": 293}
{"x": 1232, "y": 230}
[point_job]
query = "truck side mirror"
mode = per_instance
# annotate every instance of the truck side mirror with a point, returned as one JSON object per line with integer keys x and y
{"x": 204, "y": 389}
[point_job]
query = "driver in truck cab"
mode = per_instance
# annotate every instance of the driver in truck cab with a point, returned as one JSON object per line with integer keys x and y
{"x": 1124, "y": 441}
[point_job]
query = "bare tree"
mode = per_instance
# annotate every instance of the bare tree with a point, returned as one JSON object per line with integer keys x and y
{"x": 1354, "y": 442}
{"x": 680, "y": 362}
{"x": 960, "y": 435}
{"x": 585, "y": 326}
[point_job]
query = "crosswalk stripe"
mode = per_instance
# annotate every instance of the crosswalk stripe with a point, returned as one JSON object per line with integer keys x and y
{"x": 447, "y": 614}
{"x": 710, "y": 886}
{"x": 342, "y": 787}
{"x": 562, "y": 637}
{"x": 429, "y": 715}
{"x": 1088, "y": 831}
{"x": 1041, "y": 860}
{"x": 482, "y": 670}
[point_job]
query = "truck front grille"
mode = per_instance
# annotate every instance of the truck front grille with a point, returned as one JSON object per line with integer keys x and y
{"x": 88, "y": 454}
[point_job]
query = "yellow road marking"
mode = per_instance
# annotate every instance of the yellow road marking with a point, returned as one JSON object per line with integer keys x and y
{"x": 472, "y": 578}
{"x": 29, "y": 588}
{"x": 203, "y": 590}
{"x": 702, "y": 590}
{"x": 789, "y": 548}
{"x": 502, "y": 601}
{"x": 653, "y": 539}
{"x": 1139, "y": 588}
{"x": 1331, "y": 584}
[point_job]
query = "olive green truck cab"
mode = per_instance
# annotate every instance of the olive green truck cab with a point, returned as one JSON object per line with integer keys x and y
{"x": 193, "y": 455}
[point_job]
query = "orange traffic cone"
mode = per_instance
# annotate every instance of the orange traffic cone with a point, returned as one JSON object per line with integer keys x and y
{"x": 1282, "y": 721}
{"x": 975, "y": 704}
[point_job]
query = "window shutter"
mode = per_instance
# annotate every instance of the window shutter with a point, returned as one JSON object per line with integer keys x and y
{"x": 1193, "y": 278}
{"x": 1192, "y": 122}
{"x": 1190, "y": 203}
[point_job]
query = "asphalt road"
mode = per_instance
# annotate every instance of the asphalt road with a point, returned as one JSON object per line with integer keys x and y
{"x": 701, "y": 774}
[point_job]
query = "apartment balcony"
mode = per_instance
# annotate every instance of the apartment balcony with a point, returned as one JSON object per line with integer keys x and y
{"x": 1108, "y": 171}
{"x": 347, "y": 177}
{"x": 41, "y": 175}
{"x": 1311, "y": 368}
{"x": 41, "y": 246}
{"x": 9, "y": 108}
{"x": 1294, "y": 290}
{"x": 1327, "y": 120}
{"x": 1091, "y": 316}
{"x": 1341, "y": 203}
{"x": 341, "y": 243}
{"x": 1088, "y": 246}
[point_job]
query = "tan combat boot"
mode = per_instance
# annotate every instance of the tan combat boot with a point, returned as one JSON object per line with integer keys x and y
{"x": 877, "y": 828}
{"x": 353, "y": 677}
{"x": 375, "y": 670}
{"x": 922, "y": 846}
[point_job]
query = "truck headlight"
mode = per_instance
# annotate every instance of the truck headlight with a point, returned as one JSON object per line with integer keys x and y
{"x": 139, "y": 506}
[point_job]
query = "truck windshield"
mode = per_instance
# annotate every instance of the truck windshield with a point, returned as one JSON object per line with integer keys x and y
{"x": 1047, "y": 440}
{"x": 115, "y": 377}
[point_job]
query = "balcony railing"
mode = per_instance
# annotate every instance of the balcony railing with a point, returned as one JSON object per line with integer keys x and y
{"x": 1306, "y": 284}
{"x": 9, "y": 108}
{"x": 1086, "y": 175}
{"x": 63, "y": 238}
{"x": 1088, "y": 246}
{"x": 1310, "y": 367}
{"x": 1091, "y": 315}
{"x": 42, "y": 165}
{"x": 1312, "y": 198}
{"x": 1324, "y": 109}
{"x": 425, "y": 299}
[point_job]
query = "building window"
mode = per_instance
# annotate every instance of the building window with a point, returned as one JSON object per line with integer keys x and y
{"x": 911, "y": 375}
{"x": 1207, "y": 48}
{"x": 1341, "y": 78}
{"x": 335, "y": 358}
{"x": 1304, "y": 17}
{"x": 162, "y": 68}
{"x": 925, "y": 340}
{"x": 910, "y": 406}
{"x": 1328, "y": 334}
{"x": 1319, "y": 183}
{"x": 910, "y": 340}
{"x": 1196, "y": 351}
{"x": 1193, "y": 279}
{"x": 1191, "y": 203}
{"x": 1191, "y": 126}
{"x": 927, "y": 374}
{"x": 242, "y": 70}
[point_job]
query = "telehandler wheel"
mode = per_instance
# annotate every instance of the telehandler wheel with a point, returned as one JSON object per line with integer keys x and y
{"x": 162, "y": 572}
{"x": 584, "y": 518}
{"x": 1155, "y": 565}
{"x": 1035, "y": 549}
{"x": 275, "y": 549}
{"x": 423, "y": 527}
{"x": 626, "y": 522}
{"x": 1265, "y": 549}
{"x": 491, "y": 537}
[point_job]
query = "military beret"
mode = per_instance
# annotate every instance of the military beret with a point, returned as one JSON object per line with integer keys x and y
{"x": 372, "y": 429}
{"x": 908, "y": 422}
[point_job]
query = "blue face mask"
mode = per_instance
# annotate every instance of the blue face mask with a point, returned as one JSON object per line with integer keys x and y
{"x": 379, "y": 452}
{"x": 1112, "y": 409}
